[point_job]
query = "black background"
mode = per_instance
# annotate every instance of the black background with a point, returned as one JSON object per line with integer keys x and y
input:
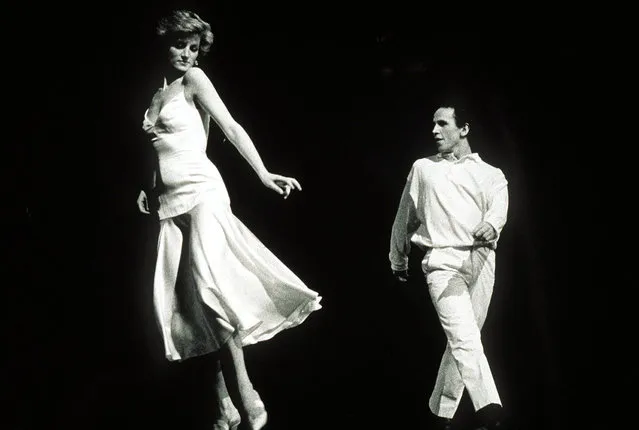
{"x": 340, "y": 100}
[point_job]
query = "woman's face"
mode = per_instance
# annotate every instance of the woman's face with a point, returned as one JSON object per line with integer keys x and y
{"x": 184, "y": 51}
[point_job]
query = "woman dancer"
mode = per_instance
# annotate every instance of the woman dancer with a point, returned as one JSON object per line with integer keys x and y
{"x": 216, "y": 286}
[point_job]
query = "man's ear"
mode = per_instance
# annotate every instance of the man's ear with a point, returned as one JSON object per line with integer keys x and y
{"x": 465, "y": 130}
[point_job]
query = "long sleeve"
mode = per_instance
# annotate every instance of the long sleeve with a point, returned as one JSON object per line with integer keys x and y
{"x": 497, "y": 212}
{"x": 405, "y": 225}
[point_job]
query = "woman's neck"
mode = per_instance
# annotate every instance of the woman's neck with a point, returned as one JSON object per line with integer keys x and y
{"x": 171, "y": 76}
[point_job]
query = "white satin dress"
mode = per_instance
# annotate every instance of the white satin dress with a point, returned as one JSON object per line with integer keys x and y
{"x": 213, "y": 278}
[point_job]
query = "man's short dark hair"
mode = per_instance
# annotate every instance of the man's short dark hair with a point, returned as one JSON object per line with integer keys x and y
{"x": 463, "y": 110}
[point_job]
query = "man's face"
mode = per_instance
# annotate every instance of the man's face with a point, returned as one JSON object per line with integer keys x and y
{"x": 445, "y": 131}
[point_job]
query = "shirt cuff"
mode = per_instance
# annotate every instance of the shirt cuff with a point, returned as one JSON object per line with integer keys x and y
{"x": 399, "y": 267}
{"x": 497, "y": 232}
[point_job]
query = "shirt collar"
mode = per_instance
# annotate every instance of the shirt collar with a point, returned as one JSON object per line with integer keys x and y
{"x": 451, "y": 157}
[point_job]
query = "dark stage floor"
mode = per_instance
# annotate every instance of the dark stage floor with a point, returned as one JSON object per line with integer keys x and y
{"x": 368, "y": 359}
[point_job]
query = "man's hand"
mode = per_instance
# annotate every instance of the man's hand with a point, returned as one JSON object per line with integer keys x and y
{"x": 401, "y": 275}
{"x": 484, "y": 232}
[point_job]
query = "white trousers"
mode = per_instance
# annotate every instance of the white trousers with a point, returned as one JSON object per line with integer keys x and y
{"x": 460, "y": 282}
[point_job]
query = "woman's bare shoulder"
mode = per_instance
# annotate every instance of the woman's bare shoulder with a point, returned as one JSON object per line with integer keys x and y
{"x": 195, "y": 76}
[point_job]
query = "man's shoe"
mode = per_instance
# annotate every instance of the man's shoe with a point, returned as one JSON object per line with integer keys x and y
{"x": 497, "y": 425}
{"x": 490, "y": 417}
{"x": 442, "y": 423}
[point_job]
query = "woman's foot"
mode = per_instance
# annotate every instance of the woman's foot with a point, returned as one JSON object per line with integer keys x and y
{"x": 228, "y": 416}
{"x": 258, "y": 400}
{"x": 257, "y": 421}
{"x": 257, "y": 416}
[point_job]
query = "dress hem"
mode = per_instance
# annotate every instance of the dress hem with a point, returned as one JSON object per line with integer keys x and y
{"x": 297, "y": 317}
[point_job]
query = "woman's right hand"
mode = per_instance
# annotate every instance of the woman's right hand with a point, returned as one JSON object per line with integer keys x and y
{"x": 143, "y": 203}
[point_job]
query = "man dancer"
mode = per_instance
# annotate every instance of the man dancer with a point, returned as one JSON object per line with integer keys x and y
{"x": 454, "y": 206}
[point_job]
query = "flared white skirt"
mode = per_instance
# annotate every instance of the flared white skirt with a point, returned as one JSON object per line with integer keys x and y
{"x": 215, "y": 280}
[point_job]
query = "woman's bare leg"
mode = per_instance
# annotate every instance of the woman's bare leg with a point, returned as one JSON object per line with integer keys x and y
{"x": 239, "y": 386}
{"x": 227, "y": 415}
{"x": 220, "y": 384}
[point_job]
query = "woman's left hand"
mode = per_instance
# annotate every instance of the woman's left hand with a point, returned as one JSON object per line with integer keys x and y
{"x": 281, "y": 184}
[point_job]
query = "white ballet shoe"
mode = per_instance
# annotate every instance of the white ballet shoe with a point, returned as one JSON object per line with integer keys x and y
{"x": 229, "y": 418}
{"x": 259, "y": 418}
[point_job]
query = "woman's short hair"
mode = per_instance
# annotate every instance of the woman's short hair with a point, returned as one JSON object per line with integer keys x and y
{"x": 180, "y": 23}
